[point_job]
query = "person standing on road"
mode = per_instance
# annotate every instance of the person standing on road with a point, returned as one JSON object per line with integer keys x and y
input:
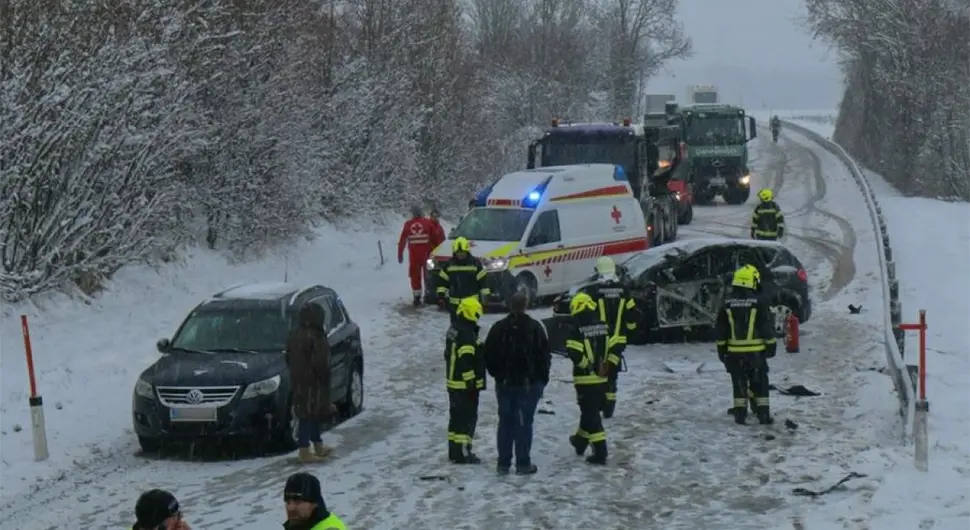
{"x": 588, "y": 348}
{"x": 420, "y": 236}
{"x": 745, "y": 335}
{"x": 464, "y": 379}
{"x": 308, "y": 359}
{"x": 305, "y": 509}
{"x": 517, "y": 356}
{"x": 462, "y": 277}
{"x": 158, "y": 510}
{"x": 618, "y": 309}
{"x": 767, "y": 221}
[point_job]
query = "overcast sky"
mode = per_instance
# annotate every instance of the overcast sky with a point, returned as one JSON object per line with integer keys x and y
{"x": 757, "y": 53}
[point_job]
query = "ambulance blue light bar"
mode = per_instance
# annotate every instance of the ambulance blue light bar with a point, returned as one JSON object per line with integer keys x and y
{"x": 532, "y": 198}
{"x": 481, "y": 198}
{"x": 619, "y": 174}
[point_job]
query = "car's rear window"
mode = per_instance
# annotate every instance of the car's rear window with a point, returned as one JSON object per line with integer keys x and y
{"x": 256, "y": 329}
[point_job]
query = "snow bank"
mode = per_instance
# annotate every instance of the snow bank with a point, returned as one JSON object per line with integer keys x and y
{"x": 88, "y": 354}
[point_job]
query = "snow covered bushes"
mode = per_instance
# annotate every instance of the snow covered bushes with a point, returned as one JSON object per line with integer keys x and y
{"x": 906, "y": 108}
{"x": 129, "y": 128}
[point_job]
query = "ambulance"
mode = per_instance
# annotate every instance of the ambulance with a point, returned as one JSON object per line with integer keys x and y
{"x": 541, "y": 230}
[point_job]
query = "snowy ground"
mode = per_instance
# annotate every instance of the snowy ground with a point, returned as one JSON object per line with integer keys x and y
{"x": 932, "y": 277}
{"x": 677, "y": 461}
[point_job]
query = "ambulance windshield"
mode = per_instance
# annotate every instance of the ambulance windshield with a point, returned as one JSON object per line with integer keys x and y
{"x": 493, "y": 224}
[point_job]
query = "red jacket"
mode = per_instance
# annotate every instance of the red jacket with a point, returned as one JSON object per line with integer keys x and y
{"x": 420, "y": 237}
{"x": 438, "y": 236}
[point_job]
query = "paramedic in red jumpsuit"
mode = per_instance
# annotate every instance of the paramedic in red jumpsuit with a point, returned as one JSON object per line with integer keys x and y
{"x": 421, "y": 237}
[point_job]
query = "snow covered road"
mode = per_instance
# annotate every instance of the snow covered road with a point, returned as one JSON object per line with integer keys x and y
{"x": 677, "y": 460}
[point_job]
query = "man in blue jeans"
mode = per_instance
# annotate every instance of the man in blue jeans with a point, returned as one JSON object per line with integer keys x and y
{"x": 517, "y": 356}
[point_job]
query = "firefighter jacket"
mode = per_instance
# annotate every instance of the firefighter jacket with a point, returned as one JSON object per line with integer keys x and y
{"x": 767, "y": 221}
{"x": 464, "y": 359}
{"x": 588, "y": 345}
{"x": 616, "y": 307}
{"x": 462, "y": 278}
{"x": 745, "y": 324}
{"x": 421, "y": 236}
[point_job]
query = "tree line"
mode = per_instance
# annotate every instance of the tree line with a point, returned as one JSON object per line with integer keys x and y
{"x": 905, "y": 112}
{"x": 132, "y": 128}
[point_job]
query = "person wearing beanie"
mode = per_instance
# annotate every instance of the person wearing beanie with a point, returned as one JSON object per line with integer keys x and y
{"x": 305, "y": 508}
{"x": 158, "y": 510}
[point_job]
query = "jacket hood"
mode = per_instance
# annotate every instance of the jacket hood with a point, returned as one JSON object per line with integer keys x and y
{"x": 311, "y": 316}
{"x": 214, "y": 369}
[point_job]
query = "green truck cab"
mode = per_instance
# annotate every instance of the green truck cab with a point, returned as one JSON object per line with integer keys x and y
{"x": 717, "y": 137}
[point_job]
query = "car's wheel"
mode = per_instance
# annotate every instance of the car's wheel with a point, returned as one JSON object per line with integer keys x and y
{"x": 687, "y": 215}
{"x": 289, "y": 430}
{"x": 781, "y": 310}
{"x": 149, "y": 445}
{"x": 527, "y": 283}
{"x": 353, "y": 402}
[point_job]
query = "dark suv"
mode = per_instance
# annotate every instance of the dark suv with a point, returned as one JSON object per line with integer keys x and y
{"x": 224, "y": 371}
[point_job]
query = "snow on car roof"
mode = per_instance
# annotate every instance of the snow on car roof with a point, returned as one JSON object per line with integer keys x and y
{"x": 260, "y": 291}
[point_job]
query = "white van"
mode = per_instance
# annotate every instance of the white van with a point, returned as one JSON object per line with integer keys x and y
{"x": 543, "y": 229}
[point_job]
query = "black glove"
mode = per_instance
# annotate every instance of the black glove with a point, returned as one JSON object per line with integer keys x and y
{"x": 400, "y": 260}
{"x": 770, "y": 351}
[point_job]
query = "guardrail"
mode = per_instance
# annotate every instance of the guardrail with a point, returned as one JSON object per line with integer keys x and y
{"x": 894, "y": 336}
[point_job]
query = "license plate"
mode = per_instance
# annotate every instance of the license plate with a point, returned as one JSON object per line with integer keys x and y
{"x": 194, "y": 414}
{"x": 717, "y": 181}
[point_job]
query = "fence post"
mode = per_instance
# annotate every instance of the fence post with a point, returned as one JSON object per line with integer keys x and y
{"x": 380, "y": 252}
{"x": 37, "y": 427}
{"x": 920, "y": 417}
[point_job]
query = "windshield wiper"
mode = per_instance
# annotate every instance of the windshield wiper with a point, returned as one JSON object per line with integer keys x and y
{"x": 188, "y": 350}
{"x": 231, "y": 350}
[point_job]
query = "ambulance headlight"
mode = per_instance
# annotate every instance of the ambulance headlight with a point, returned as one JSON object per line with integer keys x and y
{"x": 745, "y": 180}
{"x": 495, "y": 264}
{"x": 430, "y": 264}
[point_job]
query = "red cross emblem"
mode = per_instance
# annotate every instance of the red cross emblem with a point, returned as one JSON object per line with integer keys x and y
{"x": 547, "y": 271}
{"x": 616, "y": 214}
{"x": 416, "y": 228}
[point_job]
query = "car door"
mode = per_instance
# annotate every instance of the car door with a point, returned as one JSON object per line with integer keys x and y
{"x": 545, "y": 239}
{"x": 339, "y": 335}
{"x": 688, "y": 294}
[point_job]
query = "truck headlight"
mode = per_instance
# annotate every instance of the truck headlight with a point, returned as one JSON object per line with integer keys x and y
{"x": 745, "y": 180}
{"x": 495, "y": 264}
{"x": 144, "y": 389}
{"x": 430, "y": 264}
{"x": 262, "y": 388}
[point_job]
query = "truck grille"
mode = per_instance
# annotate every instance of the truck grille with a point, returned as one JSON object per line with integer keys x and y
{"x": 187, "y": 396}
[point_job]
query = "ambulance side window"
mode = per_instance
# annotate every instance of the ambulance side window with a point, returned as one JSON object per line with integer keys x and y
{"x": 545, "y": 230}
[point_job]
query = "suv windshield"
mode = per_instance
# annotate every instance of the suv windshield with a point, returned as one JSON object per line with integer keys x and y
{"x": 716, "y": 130}
{"x": 250, "y": 329}
{"x": 493, "y": 224}
{"x": 589, "y": 150}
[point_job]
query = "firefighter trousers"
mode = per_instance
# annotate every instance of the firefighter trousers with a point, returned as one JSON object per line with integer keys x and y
{"x": 590, "y": 432}
{"x": 462, "y": 420}
{"x": 609, "y": 403}
{"x": 749, "y": 381}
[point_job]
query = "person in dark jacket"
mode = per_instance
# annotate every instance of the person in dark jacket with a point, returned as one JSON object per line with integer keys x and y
{"x": 308, "y": 358}
{"x": 767, "y": 220}
{"x": 518, "y": 357}
{"x": 462, "y": 277}
{"x": 305, "y": 509}
{"x": 464, "y": 379}
{"x": 745, "y": 335}
{"x": 158, "y": 510}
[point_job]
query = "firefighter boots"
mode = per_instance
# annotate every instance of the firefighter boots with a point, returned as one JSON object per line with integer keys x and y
{"x": 579, "y": 444}
{"x": 599, "y": 454}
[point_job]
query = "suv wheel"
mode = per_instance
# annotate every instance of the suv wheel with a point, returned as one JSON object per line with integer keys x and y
{"x": 149, "y": 445}
{"x": 288, "y": 435}
{"x": 781, "y": 312}
{"x": 353, "y": 402}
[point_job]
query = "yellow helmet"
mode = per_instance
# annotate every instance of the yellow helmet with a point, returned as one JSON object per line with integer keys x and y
{"x": 747, "y": 277}
{"x": 470, "y": 309}
{"x": 605, "y": 266}
{"x": 766, "y": 194}
{"x": 581, "y": 302}
{"x": 461, "y": 245}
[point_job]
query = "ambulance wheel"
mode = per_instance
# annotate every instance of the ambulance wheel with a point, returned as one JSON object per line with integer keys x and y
{"x": 687, "y": 215}
{"x": 528, "y": 284}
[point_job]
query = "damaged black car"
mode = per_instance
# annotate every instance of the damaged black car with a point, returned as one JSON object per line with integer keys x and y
{"x": 679, "y": 287}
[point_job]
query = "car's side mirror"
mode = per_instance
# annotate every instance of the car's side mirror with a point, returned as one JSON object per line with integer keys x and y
{"x": 163, "y": 346}
{"x": 752, "y": 127}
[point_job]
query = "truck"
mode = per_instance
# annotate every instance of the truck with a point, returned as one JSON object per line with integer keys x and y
{"x": 716, "y": 138}
{"x": 702, "y": 95}
{"x": 624, "y": 144}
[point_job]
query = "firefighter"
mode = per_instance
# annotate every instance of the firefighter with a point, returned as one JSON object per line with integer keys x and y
{"x": 588, "y": 348}
{"x": 617, "y": 308}
{"x": 767, "y": 221}
{"x": 465, "y": 379}
{"x": 462, "y": 277}
{"x": 745, "y": 334}
{"x": 419, "y": 235}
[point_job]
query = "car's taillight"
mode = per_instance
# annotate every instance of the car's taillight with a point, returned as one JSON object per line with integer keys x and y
{"x": 802, "y": 275}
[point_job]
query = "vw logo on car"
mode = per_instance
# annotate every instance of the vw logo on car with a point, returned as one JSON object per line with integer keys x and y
{"x": 194, "y": 397}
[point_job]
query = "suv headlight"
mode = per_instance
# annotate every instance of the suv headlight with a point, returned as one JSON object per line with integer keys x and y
{"x": 430, "y": 264}
{"x": 262, "y": 388}
{"x": 144, "y": 389}
{"x": 495, "y": 264}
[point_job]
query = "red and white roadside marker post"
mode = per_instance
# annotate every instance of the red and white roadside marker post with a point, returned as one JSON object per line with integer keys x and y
{"x": 922, "y": 405}
{"x": 38, "y": 429}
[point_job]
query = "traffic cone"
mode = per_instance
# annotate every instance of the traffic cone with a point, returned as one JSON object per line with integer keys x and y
{"x": 791, "y": 333}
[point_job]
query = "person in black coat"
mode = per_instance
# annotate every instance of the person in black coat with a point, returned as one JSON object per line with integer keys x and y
{"x": 518, "y": 357}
